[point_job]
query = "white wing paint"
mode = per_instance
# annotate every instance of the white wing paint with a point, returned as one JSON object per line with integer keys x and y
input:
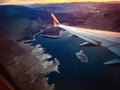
{"x": 110, "y": 40}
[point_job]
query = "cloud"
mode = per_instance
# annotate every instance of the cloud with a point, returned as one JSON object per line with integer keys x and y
{"x": 21, "y": 1}
{"x": 4, "y": 1}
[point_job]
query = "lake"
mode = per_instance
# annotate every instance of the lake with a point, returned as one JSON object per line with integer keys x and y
{"x": 74, "y": 74}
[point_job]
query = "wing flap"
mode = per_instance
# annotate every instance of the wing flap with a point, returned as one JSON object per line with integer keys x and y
{"x": 115, "y": 49}
{"x": 110, "y": 40}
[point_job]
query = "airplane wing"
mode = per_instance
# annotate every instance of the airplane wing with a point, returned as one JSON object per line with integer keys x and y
{"x": 110, "y": 40}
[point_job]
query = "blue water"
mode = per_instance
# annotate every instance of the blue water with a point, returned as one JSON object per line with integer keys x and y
{"x": 75, "y": 75}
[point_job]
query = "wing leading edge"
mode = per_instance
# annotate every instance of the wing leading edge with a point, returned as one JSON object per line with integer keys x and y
{"x": 110, "y": 40}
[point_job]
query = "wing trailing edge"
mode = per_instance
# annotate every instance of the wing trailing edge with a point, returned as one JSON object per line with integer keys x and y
{"x": 107, "y": 39}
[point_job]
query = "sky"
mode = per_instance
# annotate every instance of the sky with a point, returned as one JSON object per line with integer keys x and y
{"x": 47, "y": 1}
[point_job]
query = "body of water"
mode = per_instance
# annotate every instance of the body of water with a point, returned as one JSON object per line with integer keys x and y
{"x": 74, "y": 74}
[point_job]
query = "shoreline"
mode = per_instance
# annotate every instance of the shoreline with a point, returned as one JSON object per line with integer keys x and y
{"x": 42, "y": 35}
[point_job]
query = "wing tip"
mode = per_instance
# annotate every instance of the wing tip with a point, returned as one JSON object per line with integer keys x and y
{"x": 55, "y": 20}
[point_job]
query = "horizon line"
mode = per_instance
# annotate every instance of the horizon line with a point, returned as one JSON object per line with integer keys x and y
{"x": 27, "y": 3}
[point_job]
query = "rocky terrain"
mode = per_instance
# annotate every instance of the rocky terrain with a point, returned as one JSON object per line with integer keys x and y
{"x": 27, "y": 65}
{"x": 31, "y": 19}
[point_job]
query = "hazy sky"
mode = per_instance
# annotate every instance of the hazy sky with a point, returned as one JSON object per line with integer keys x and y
{"x": 47, "y": 1}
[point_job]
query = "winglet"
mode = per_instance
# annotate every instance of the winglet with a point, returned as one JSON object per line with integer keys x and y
{"x": 56, "y": 22}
